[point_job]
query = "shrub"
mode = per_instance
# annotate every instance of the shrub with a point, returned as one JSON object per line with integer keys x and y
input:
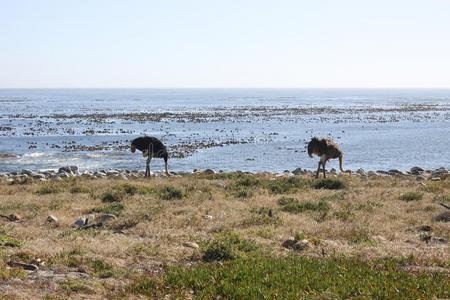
{"x": 8, "y": 273}
{"x": 411, "y": 196}
{"x": 298, "y": 207}
{"x": 283, "y": 185}
{"x": 127, "y": 188}
{"x": 142, "y": 286}
{"x": 442, "y": 198}
{"x": 243, "y": 193}
{"x": 170, "y": 193}
{"x": 100, "y": 268}
{"x": 112, "y": 208}
{"x": 328, "y": 183}
{"x": 248, "y": 182}
{"x": 113, "y": 196}
{"x": 226, "y": 246}
{"x": 80, "y": 190}
{"x": 6, "y": 241}
{"x": 49, "y": 188}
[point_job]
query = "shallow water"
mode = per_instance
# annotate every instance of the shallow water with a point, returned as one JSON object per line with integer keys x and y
{"x": 227, "y": 129}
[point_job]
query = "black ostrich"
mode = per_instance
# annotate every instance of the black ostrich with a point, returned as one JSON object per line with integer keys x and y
{"x": 326, "y": 149}
{"x": 150, "y": 147}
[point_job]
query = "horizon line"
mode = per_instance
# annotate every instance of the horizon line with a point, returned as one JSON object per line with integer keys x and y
{"x": 218, "y": 87}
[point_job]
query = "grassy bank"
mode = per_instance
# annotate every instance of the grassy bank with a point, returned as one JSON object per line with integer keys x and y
{"x": 226, "y": 234}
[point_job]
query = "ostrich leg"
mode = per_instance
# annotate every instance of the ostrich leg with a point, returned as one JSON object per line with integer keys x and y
{"x": 167, "y": 170}
{"x": 147, "y": 167}
{"x": 323, "y": 165}
{"x": 318, "y": 169}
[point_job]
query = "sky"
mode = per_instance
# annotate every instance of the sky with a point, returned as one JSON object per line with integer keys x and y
{"x": 233, "y": 43}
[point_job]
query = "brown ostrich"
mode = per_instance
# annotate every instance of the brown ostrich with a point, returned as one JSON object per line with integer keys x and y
{"x": 326, "y": 149}
{"x": 150, "y": 147}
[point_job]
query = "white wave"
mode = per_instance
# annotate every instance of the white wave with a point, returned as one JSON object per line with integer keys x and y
{"x": 34, "y": 154}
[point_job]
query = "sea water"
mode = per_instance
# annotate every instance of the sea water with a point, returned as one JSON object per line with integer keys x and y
{"x": 223, "y": 129}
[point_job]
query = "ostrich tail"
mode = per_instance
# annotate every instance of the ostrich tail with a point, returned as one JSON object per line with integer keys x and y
{"x": 340, "y": 166}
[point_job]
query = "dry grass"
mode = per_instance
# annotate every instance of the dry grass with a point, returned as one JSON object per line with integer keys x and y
{"x": 366, "y": 219}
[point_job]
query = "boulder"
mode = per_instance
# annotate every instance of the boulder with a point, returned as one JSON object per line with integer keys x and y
{"x": 395, "y": 172}
{"x": 12, "y": 217}
{"x": 29, "y": 173}
{"x": 441, "y": 173}
{"x": 28, "y": 267}
{"x": 209, "y": 171}
{"x": 80, "y": 222}
{"x": 295, "y": 244}
{"x": 416, "y": 170}
{"x": 361, "y": 172}
{"x": 372, "y": 174}
{"x": 297, "y": 171}
{"x": 104, "y": 218}
{"x": 112, "y": 173}
{"x": 69, "y": 169}
{"x": 52, "y": 219}
{"x": 193, "y": 245}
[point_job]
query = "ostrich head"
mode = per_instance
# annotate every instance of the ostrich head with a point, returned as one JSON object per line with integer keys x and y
{"x": 133, "y": 147}
{"x": 313, "y": 146}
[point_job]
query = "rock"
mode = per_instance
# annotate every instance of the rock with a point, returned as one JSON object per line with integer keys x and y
{"x": 438, "y": 240}
{"x": 104, "y": 218}
{"x": 80, "y": 222}
{"x": 297, "y": 171}
{"x": 416, "y": 171}
{"x": 209, "y": 171}
{"x": 93, "y": 220}
{"x": 333, "y": 171}
{"x": 295, "y": 244}
{"x": 361, "y": 172}
{"x": 372, "y": 174}
{"x": 193, "y": 245}
{"x": 441, "y": 173}
{"x": 69, "y": 169}
{"x": 63, "y": 175}
{"x": 289, "y": 243}
{"x": 39, "y": 176}
{"x": 382, "y": 173}
{"x": 52, "y": 219}
{"x": 29, "y": 173}
{"x": 208, "y": 217}
{"x": 12, "y": 217}
{"x": 395, "y": 172}
{"x": 112, "y": 172}
{"x": 435, "y": 179}
{"x": 29, "y": 267}
{"x": 442, "y": 217}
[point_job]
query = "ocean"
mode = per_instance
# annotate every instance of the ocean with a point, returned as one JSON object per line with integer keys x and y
{"x": 223, "y": 129}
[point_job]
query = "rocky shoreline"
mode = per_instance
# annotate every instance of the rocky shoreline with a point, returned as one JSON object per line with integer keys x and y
{"x": 62, "y": 173}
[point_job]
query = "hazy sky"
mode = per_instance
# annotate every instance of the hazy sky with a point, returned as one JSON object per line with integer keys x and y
{"x": 232, "y": 43}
